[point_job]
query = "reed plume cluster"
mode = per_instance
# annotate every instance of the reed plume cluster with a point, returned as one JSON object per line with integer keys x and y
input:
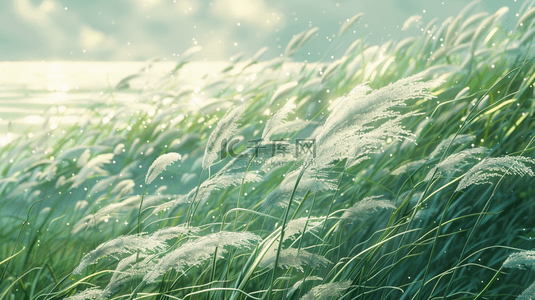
{"x": 397, "y": 171}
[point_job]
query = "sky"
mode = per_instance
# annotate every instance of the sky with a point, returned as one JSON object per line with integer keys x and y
{"x": 138, "y": 30}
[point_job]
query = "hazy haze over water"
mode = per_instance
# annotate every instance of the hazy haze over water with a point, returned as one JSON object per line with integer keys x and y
{"x": 47, "y": 42}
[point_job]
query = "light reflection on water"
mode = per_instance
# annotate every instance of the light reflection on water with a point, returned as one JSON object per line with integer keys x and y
{"x": 46, "y": 95}
{"x": 33, "y": 94}
{"x": 66, "y": 76}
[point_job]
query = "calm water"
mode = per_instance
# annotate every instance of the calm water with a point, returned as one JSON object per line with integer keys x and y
{"x": 32, "y": 92}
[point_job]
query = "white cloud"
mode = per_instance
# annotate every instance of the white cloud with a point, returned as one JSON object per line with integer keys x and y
{"x": 90, "y": 38}
{"x": 252, "y": 11}
{"x": 38, "y": 14}
{"x": 148, "y": 3}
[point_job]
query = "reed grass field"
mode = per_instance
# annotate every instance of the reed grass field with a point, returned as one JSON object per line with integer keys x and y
{"x": 403, "y": 170}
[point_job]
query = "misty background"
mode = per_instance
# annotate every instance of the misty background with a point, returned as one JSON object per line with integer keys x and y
{"x": 137, "y": 30}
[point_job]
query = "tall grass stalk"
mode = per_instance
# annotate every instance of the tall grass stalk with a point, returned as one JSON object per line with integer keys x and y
{"x": 391, "y": 200}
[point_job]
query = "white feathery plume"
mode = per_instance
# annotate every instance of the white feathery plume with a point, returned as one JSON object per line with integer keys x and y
{"x": 195, "y": 252}
{"x": 363, "y": 208}
{"x": 298, "y": 41}
{"x": 326, "y": 291}
{"x": 168, "y": 233}
{"x": 104, "y": 184}
{"x": 283, "y": 90}
{"x": 118, "y": 150}
{"x": 340, "y": 108}
{"x": 224, "y": 129}
{"x": 297, "y": 226}
{"x": 91, "y": 220}
{"x": 412, "y": 21}
{"x": 277, "y": 119}
{"x": 84, "y": 158}
{"x": 455, "y": 161}
{"x": 359, "y": 108}
{"x": 348, "y": 23}
{"x": 521, "y": 260}
{"x": 312, "y": 180}
{"x": 149, "y": 200}
{"x": 135, "y": 265}
{"x": 221, "y": 181}
{"x": 356, "y": 143}
{"x": 137, "y": 243}
{"x": 90, "y": 293}
{"x": 169, "y": 205}
{"x": 298, "y": 284}
{"x": 94, "y": 166}
{"x": 292, "y": 257}
{"x": 123, "y": 188}
{"x": 333, "y": 69}
{"x": 158, "y": 166}
{"x": 121, "y": 245}
{"x": 347, "y": 133}
{"x": 528, "y": 294}
{"x": 453, "y": 140}
{"x": 495, "y": 167}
